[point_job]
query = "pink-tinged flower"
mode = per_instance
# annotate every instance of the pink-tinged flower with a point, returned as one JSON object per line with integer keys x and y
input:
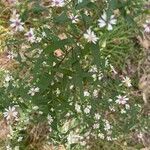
{"x": 90, "y": 36}
{"x": 127, "y": 81}
{"x": 58, "y": 3}
{"x": 122, "y": 100}
{"x": 16, "y": 23}
{"x": 58, "y": 53}
{"x": 30, "y": 36}
{"x": 74, "y": 18}
{"x": 11, "y": 114}
{"x": 105, "y": 21}
{"x": 11, "y": 55}
{"x": 147, "y": 26}
{"x": 33, "y": 91}
{"x": 10, "y": 2}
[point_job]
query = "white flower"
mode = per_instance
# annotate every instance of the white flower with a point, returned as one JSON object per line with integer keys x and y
{"x": 78, "y": 108}
{"x": 43, "y": 34}
{"x": 104, "y": 21}
{"x": 107, "y": 126}
{"x": 123, "y": 111}
{"x": 52, "y": 109}
{"x": 8, "y": 78}
{"x": 11, "y": 113}
{"x": 101, "y": 136}
{"x": 97, "y": 116}
{"x": 40, "y": 112}
{"x": 87, "y": 109}
{"x": 73, "y": 138}
{"x": 106, "y": 59}
{"x": 16, "y": 23}
{"x": 95, "y": 93}
{"x": 147, "y": 26}
{"x": 93, "y": 69}
{"x": 122, "y": 100}
{"x": 96, "y": 126}
{"x": 87, "y": 13}
{"x": 97, "y": 74}
{"x": 110, "y": 100}
{"x": 74, "y": 18}
{"x": 100, "y": 76}
{"x": 38, "y": 39}
{"x": 57, "y": 91}
{"x": 71, "y": 87}
{"x": 127, "y": 81}
{"x": 83, "y": 143}
{"x": 94, "y": 76}
{"x": 40, "y": 51}
{"x": 16, "y": 148}
{"x": 30, "y": 36}
{"x": 90, "y": 36}
{"x": 50, "y": 119}
{"x": 35, "y": 107}
{"x": 127, "y": 106}
{"x": 11, "y": 55}
{"x": 58, "y": 3}
{"x": 86, "y": 134}
{"x": 50, "y": 129}
{"x": 112, "y": 108}
{"x": 33, "y": 90}
{"x": 109, "y": 138}
{"x": 86, "y": 93}
{"x": 20, "y": 139}
{"x": 66, "y": 125}
{"x": 8, "y": 147}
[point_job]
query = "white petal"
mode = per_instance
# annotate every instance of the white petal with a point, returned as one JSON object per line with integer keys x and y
{"x": 86, "y": 35}
{"x": 12, "y": 20}
{"x": 13, "y": 108}
{"x": 109, "y": 27}
{"x": 21, "y": 28}
{"x": 112, "y": 17}
{"x": 147, "y": 29}
{"x": 102, "y": 23}
{"x": 12, "y": 25}
{"x": 113, "y": 21}
{"x": 104, "y": 16}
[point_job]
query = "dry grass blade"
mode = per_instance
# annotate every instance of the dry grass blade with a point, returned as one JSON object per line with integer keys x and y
{"x": 4, "y": 130}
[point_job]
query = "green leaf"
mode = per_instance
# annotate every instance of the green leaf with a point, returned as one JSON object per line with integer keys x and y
{"x": 61, "y": 19}
{"x": 83, "y": 4}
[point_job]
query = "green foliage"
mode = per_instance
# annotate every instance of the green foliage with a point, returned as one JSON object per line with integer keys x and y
{"x": 74, "y": 85}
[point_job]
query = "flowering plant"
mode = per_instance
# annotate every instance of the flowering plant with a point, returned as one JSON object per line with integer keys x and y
{"x": 69, "y": 86}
